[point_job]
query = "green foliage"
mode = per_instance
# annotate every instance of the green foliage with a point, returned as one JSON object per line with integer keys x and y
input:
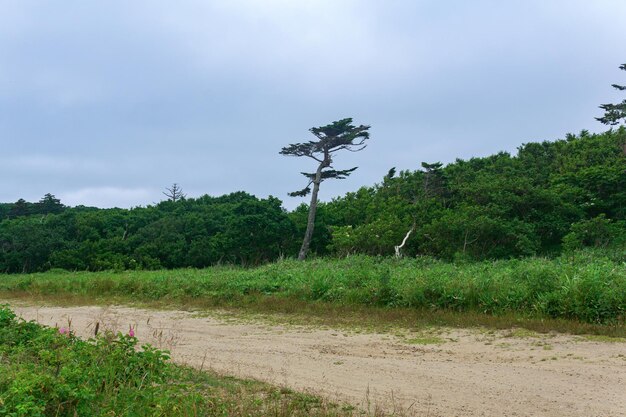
{"x": 474, "y": 233}
{"x": 376, "y": 238}
{"x": 46, "y": 373}
{"x": 49, "y": 204}
{"x": 584, "y": 286}
{"x": 598, "y": 232}
{"x": 501, "y": 206}
{"x": 236, "y": 228}
{"x": 20, "y": 208}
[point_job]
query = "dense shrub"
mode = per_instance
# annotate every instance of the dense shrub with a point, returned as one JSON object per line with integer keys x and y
{"x": 47, "y": 373}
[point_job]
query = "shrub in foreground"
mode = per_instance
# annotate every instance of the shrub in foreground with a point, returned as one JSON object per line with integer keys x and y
{"x": 47, "y": 372}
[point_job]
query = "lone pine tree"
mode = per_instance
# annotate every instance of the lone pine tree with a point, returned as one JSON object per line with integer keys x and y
{"x": 337, "y": 136}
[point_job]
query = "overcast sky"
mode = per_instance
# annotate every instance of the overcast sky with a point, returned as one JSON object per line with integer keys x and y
{"x": 106, "y": 103}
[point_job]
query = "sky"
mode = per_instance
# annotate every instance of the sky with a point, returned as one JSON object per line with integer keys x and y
{"x": 107, "y": 103}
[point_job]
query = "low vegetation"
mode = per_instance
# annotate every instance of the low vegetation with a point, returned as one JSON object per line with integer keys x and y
{"x": 584, "y": 287}
{"x": 50, "y": 372}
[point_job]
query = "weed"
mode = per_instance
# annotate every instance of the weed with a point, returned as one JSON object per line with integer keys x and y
{"x": 425, "y": 340}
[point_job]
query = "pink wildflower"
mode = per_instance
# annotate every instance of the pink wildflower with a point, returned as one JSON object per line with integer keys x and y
{"x": 131, "y": 332}
{"x": 63, "y": 330}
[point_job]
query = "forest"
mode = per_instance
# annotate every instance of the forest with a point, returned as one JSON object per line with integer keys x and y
{"x": 548, "y": 199}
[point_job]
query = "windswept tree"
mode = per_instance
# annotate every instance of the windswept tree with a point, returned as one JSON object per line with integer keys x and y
{"x": 614, "y": 113}
{"x": 337, "y": 136}
{"x": 174, "y": 193}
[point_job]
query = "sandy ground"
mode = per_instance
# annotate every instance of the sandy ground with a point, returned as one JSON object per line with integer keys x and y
{"x": 465, "y": 373}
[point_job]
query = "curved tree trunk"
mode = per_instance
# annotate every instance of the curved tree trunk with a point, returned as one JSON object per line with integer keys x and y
{"x": 310, "y": 225}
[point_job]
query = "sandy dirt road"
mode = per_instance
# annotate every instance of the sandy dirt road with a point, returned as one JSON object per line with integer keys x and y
{"x": 466, "y": 373}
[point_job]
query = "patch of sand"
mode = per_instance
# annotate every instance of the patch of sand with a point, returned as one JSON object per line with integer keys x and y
{"x": 446, "y": 372}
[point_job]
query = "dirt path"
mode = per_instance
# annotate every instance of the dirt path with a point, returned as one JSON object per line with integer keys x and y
{"x": 443, "y": 372}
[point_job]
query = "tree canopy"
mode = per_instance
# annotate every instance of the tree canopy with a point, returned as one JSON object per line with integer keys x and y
{"x": 337, "y": 136}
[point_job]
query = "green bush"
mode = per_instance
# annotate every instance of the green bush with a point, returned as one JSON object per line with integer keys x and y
{"x": 44, "y": 372}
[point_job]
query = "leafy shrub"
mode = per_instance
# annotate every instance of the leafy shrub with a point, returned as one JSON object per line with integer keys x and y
{"x": 598, "y": 232}
{"x": 46, "y": 373}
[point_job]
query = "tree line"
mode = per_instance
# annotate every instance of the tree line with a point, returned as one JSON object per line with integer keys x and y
{"x": 548, "y": 198}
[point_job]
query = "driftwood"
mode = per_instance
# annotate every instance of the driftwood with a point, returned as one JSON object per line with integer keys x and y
{"x": 400, "y": 246}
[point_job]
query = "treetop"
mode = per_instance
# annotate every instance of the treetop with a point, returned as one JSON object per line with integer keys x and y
{"x": 338, "y": 135}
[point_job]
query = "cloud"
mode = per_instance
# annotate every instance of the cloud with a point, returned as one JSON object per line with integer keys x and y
{"x": 49, "y": 164}
{"x": 138, "y": 95}
{"x": 108, "y": 197}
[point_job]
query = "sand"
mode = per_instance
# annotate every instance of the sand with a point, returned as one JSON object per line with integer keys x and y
{"x": 436, "y": 372}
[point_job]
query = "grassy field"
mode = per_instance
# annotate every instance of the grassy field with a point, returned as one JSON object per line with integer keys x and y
{"x": 50, "y": 372}
{"x": 586, "y": 293}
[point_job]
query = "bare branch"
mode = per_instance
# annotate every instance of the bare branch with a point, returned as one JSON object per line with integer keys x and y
{"x": 359, "y": 149}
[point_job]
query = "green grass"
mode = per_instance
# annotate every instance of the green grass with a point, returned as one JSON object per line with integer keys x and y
{"x": 45, "y": 373}
{"x": 425, "y": 340}
{"x": 581, "y": 295}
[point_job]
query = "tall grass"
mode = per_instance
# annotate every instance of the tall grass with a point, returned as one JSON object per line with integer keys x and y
{"x": 589, "y": 289}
